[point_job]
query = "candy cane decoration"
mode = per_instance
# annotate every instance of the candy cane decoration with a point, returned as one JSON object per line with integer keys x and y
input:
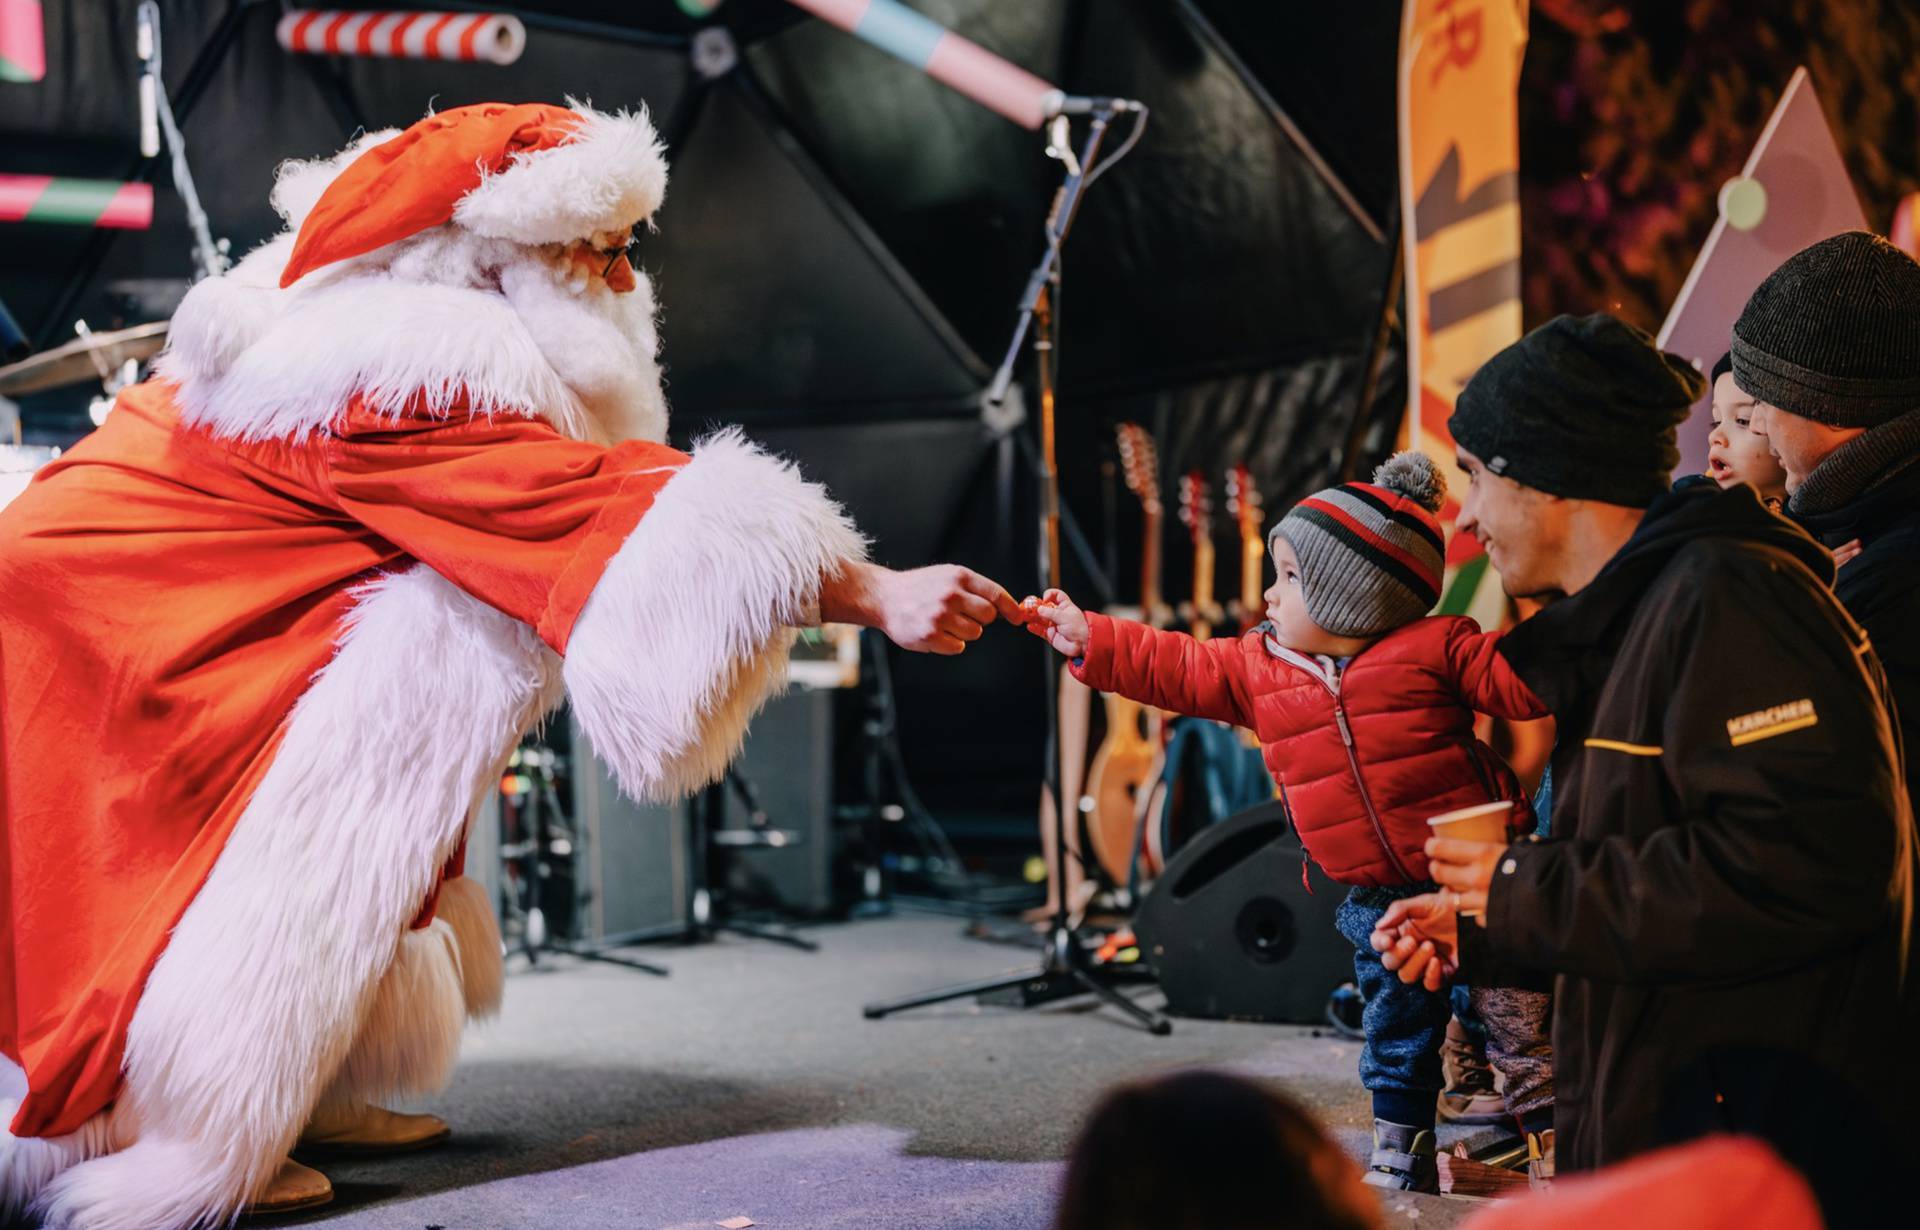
{"x": 23, "y": 47}
{"x": 956, "y": 62}
{"x": 495, "y": 38}
{"x": 76, "y": 202}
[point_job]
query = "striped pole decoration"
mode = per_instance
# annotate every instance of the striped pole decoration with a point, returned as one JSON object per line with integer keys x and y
{"x": 76, "y": 202}
{"x": 23, "y": 46}
{"x": 492, "y": 38}
{"x": 956, "y": 62}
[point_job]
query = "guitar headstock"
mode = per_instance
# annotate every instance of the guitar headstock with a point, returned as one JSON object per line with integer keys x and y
{"x": 1196, "y": 506}
{"x": 1243, "y": 501}
{"x": 1140, "y": 465}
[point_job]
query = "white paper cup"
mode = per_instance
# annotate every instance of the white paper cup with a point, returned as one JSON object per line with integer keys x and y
{"x": 1484, "y": 822}
{"x": 1489, "y": 822}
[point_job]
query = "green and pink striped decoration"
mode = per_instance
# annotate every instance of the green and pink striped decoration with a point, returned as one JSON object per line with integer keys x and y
{"x": 23, "y": 47}
{"x": 76, "y": 202}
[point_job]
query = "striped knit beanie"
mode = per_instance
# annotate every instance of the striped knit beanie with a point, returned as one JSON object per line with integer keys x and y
{"x": 1370, "y": 554}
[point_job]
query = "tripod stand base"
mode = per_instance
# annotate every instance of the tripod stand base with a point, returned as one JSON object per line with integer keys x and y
{"x": 773, "y": 935}
{"x": 1030, "y": 990}
{"x": 1038, "y": 988}
{"x": 591, "y": 952}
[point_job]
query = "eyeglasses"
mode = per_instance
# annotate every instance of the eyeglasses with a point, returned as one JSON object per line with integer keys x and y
{"x": 630, "y": 250}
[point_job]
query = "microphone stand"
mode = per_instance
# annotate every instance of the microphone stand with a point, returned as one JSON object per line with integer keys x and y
{"x": 1065, "y": 970}
{"x": 156, "y": 118}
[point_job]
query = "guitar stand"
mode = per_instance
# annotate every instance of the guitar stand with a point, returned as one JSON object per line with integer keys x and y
{"x": 1066, "y": 970}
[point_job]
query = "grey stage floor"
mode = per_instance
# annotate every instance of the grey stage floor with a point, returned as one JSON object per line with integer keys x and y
{"x": 749, "y": 1085}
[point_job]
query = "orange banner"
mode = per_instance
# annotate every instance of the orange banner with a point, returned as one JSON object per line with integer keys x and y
{"x": 1460, "y": 224}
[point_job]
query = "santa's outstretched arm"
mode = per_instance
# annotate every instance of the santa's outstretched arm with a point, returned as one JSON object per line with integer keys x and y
{"x": 687, "y": 631}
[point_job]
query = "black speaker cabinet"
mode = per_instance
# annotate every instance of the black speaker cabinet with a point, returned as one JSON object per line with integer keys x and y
{"x": 788, "y": 757}
{"x": 1232, "y": 932}
{"x": 634, "y": 877}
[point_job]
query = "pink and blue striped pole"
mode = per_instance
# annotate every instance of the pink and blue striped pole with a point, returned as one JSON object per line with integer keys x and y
{"x": 23, "y": 47}
{"x": 959, "y": 63}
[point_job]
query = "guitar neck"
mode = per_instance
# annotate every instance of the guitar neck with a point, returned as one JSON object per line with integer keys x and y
{"x": 1253, "y": 563}
{"x": 1152, "y": 606}
{"x": 1205, "y": 609}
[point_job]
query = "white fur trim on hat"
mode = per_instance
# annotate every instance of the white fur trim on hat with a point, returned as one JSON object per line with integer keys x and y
{"x": 610, "y": 177}
{"x": 298, "y": 183}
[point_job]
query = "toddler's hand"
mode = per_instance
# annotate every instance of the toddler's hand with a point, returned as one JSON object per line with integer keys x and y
{"x": 1844, "y": 553}
{"x": 1063, "y": 624}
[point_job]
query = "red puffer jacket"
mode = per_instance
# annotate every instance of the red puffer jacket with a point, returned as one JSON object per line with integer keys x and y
{"x": 1363, "y": 754}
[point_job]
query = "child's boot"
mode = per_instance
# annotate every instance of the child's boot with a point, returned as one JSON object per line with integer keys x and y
{"x": 1472, "y": 1094}
{"x": 1540, "y": 1159}
{"x": 1402, "y": 1158}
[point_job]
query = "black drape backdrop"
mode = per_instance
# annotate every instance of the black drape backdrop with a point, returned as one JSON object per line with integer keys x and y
{"x": 841, "y": 250}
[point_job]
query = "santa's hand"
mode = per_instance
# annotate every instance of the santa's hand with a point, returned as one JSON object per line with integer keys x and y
{"x": 940, "y": 609}
{"x": 1054, "y": 618}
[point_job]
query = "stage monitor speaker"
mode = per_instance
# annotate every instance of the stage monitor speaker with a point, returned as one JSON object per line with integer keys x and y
{"x": 635, "y": 880}
{"x": 1232, "y": 932}
{"x": 788, "y": 756}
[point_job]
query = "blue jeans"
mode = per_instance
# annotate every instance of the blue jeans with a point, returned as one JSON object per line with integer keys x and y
{"x": 1400, "y": 1060}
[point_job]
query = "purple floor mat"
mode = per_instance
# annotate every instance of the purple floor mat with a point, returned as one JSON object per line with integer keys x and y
{"x": 854, "y": 1176}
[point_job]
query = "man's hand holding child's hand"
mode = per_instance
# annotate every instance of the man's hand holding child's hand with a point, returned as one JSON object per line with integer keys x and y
{"x": 1063, "y": 624}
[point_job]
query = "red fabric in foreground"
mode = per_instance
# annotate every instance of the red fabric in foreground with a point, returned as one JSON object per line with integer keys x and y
{"x": 168, "y": 598}
{"x": 1722, "y": 1183}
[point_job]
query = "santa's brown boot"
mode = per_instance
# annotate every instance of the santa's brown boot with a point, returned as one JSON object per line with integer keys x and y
{"x": 368, "y": 1130}
{"x": 292, "y": 1187}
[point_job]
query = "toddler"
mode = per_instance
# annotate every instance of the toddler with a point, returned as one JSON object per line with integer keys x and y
{"x": 1364, "y": 706}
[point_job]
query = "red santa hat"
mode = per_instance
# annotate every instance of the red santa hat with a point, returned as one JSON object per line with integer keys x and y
{"x": 532, "y": 173}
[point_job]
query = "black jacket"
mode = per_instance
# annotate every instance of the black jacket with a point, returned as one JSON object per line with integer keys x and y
{"x": 1881, "y": 587}
{"x": 1724, "y": 897}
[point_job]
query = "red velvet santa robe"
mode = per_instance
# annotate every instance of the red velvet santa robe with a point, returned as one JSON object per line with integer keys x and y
{"x": 165, "y": 599}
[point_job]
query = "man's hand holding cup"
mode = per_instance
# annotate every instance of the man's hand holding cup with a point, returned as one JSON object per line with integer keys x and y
{"x": 1418, "y": 938}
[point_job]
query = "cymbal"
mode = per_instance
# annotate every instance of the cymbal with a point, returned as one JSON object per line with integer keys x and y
{"x": 17, "y": 465}
{"x": 73, "y": 363}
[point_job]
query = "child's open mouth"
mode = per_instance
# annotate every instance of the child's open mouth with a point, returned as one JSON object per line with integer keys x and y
{"x": 1718, "y": 468}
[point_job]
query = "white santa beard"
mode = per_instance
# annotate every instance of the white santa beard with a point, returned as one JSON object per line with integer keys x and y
{"x": 445, "y": 315}
{"x": 601, "y": 345}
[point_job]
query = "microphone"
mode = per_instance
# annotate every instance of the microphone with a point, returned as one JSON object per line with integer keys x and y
{"x": 146, "y": 46}
{"x": 1057, "y": 102}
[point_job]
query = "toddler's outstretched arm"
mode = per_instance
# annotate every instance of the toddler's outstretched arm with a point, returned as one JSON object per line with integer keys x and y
{"x": 1168, "y": 670}
{"x": 1054, "y": 616}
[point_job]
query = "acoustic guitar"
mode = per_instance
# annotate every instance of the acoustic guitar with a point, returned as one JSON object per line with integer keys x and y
{"x": 1125, "y": 764}
{"x": 1203, "y": 614}
{"x": 1243, "y": 505}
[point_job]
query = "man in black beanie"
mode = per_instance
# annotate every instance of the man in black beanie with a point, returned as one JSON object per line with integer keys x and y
{"x": 1829, "y": 349}
{"x": 1724, "y": 896}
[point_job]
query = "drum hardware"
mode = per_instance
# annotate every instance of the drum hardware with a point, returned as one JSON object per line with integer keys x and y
{"x": 18, "y": 464}
{"x": 540, "y": 850}
{"x": 90, "y": 356}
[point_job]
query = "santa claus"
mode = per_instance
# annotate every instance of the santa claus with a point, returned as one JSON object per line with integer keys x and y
{"x": 398, "y": 485}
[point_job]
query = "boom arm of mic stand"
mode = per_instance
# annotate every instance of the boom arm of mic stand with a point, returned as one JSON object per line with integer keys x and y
{"x": 1066, "y": 203}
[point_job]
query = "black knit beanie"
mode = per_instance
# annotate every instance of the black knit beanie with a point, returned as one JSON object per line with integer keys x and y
{"x": 1584, "y": 407}
{"x": 1833, "y": 334}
